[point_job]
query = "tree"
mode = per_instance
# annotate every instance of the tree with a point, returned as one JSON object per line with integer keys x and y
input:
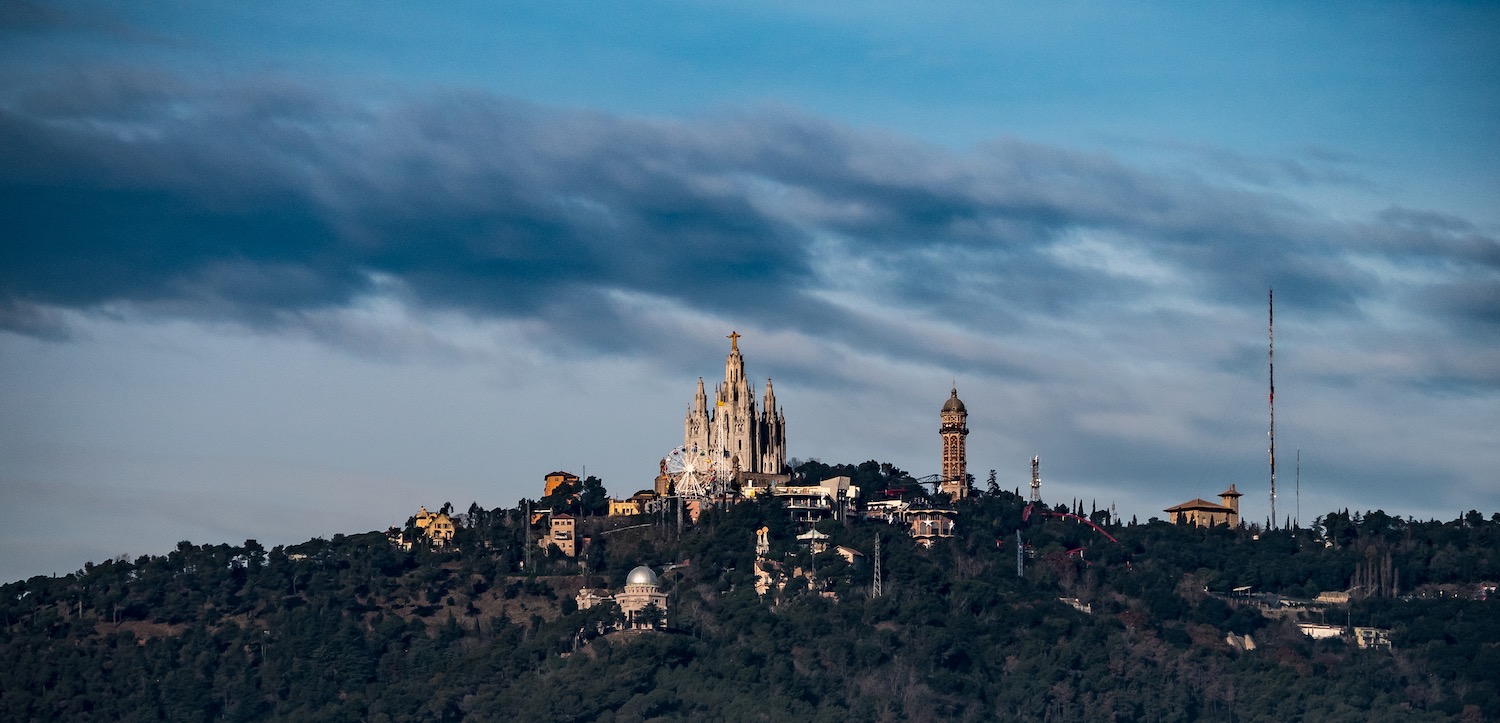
{"x": 593, "y": 500}
{"x": 564, "y": 498}
{"x": 650, "y": 616}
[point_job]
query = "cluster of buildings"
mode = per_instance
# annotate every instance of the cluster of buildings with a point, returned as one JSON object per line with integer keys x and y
{"x": 1363, "y": 637}
{"x": 437, "y": 528}
{"x": 745, "y": 442}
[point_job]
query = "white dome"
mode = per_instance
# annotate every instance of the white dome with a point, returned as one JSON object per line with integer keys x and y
{"x": 641, "y": 576}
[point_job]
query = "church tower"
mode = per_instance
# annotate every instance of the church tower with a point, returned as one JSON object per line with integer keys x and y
{"x": 954, "y": 428}
{"x": 736, "y": 410}
{"x": 772, "y": 435}
{"x": 695, "y": 432}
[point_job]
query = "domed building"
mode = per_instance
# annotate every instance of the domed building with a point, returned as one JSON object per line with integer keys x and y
{"x": 642, "y": 589}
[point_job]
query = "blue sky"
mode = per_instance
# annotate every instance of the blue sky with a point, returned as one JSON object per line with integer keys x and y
{"x": 280, "y": 270}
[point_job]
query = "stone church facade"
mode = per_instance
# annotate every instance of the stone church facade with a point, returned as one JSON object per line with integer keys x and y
{"x": 752, "y": 439}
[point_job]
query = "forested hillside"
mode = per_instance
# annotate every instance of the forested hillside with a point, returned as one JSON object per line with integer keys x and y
{"x": 354, "y": 628}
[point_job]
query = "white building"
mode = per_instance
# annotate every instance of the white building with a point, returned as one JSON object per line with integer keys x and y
{"x": 642, "y": 589}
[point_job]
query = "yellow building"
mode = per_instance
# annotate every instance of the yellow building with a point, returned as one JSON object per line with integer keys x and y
{"x": 438, "y": 527}
{"x": 1202, "y": 513}
{"x": 636, "y": 505}
{"x": 563, "y": 534}
{"x": 556, "y": 479}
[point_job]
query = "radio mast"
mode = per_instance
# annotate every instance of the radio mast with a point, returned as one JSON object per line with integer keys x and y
{"x": 1036, "y": 478}
{"x": 1271, "y": 398}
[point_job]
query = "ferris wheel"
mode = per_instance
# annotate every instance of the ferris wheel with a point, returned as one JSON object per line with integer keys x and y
{"x": 695, "y": 472}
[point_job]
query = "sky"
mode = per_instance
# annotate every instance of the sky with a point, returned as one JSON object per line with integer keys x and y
{"x": 283, "y": 270}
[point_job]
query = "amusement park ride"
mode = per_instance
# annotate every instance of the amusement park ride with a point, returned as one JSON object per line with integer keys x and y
{"x": 694, "y": 474}
{"x": 1037, "y": 509}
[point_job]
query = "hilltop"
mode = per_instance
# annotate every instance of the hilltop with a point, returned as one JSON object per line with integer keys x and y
{"x": 1151, "y": 627}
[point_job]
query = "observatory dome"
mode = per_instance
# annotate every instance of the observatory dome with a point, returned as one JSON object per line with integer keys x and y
{"x": 641, "y": 576}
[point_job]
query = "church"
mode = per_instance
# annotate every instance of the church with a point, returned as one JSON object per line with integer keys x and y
{"x": 753, "y": 440}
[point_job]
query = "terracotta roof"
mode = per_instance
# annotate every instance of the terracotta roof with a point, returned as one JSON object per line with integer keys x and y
{"x": 1198, "y": 504}
{"x": 1231, "y": 492}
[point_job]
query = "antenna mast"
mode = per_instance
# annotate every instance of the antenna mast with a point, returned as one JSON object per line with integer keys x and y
{"x": 1036, "y": 478}
{"x": 875, "y": 589}
{"x": 1019, "y": 553}
{"x": 1271, "y": 398}
{"x": 1299, "y": 487}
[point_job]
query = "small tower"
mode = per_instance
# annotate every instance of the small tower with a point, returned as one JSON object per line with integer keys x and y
{"x": 1231, "y": 498}
{"x": 954, "y": 428}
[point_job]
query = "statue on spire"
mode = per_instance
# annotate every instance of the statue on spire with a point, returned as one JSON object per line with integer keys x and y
{"x": 734, "y": 340}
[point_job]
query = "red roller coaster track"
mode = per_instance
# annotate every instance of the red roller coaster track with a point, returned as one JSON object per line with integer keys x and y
{"x": 1026, "y": 515}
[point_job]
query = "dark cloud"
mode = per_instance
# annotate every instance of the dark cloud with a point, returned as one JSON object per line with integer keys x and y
{"x": 266, "y": 201}
{"x": 19, "y": 18}
{"x": 1475, "y": 300}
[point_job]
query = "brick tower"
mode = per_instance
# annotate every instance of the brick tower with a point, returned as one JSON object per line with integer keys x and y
{"x": 954, "y": 428}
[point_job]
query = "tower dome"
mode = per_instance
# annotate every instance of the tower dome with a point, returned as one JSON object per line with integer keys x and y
{"x": 641, "y": 576}
{"x": 954, "y": 404}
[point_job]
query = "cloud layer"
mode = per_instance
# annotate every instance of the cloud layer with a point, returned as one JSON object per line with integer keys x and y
{"x": 1117, "y": 310}
{"x": 261, "y": 201}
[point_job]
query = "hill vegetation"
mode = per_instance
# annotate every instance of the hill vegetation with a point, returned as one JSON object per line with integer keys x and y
{"x": 354, "y": 628}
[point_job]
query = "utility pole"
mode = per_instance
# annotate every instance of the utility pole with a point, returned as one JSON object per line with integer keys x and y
{"x": 526, "y": 523}
{"x": 1271, "y": 398}
{"x": 1019, "y": 553}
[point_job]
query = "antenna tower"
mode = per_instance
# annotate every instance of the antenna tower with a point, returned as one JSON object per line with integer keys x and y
{"x": 1299, "y": 487}
{"x": 1019, "y": 553}
{"x": 1271, "y": 398}
{"x": 1036, "y": 478}
{"x": 875, "y": 588}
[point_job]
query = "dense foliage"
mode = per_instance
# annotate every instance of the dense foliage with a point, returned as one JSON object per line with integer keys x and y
{"x": 354, "y": 628}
